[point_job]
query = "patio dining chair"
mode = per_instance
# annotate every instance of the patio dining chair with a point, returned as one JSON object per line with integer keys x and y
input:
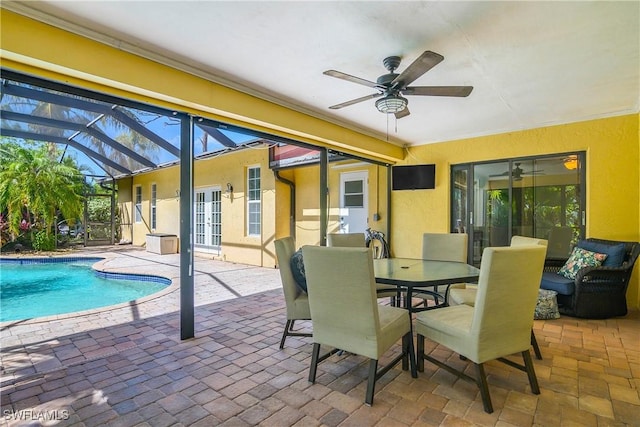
{"x": 462, "y": 293}
{"x": 358, "y": 240}
{"x": 346, "y": 240}
{"x": 296, "y": 300}
{"x": 443, "y": 247}
{"x": 499, "y": 325}
{"x": 347, "y": 316}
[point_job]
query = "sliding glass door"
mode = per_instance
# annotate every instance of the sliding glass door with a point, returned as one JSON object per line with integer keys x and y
{"x": 535, "y": 197}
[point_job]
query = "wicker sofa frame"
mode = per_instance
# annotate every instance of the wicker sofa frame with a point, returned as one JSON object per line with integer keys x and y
{"x": 600, "y": 292}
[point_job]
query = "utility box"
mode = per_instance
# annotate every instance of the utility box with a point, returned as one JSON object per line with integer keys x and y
{"x": 159, "y": 243}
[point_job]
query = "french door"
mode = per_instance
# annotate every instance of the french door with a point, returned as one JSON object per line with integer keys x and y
{"x": 208, "y": 220}
{"x": 540, "y": 197}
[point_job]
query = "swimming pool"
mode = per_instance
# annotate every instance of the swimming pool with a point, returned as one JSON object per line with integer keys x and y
{"x": 32, "y": 288}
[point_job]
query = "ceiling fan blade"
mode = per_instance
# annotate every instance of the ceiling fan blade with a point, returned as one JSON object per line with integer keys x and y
{"x": 403, "y": 113}
{"x": 460, "y": 91}
{"x": 350, "y": 78}
{"x": 424, "y": 63}
{"x": 355, "y": 101}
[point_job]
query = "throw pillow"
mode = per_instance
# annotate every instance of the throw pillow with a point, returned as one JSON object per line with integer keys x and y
{"x": 580, "y": 258}
{"x": 297, "y": 268}
{"x": 615, "y": 253}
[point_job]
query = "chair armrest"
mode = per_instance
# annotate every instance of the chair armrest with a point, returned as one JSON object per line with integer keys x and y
{"x": 602, "y": 279}
{"x": 601, "y": 272}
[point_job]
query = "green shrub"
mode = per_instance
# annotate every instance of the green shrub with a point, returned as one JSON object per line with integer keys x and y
{"x": 44, "y": 242}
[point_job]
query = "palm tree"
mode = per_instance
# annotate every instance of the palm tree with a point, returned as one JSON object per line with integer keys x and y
{"x": 34, "y": 185}
{"x": 104, "y": 123}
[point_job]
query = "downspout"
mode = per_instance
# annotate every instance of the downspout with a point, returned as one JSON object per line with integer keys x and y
{"x": 292, "y": 204}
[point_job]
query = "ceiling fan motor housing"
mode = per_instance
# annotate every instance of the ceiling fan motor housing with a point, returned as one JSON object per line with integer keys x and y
{"x": 386, "y": 79}
{"x": 391, "y": 63}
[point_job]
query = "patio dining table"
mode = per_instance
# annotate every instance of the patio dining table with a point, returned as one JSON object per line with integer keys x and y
{"x": 417, "y": 275}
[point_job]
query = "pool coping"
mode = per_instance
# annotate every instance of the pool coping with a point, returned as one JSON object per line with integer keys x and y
{"x": 100, "y": 266}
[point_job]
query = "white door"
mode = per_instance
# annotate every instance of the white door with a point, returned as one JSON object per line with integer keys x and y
{"x": 208, "y": 220}
{"x": 354, "y": 202}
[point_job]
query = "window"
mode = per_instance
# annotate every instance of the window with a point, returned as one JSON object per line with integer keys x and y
{"x": 138, "y": 207}
{"x": 253, "y": 201}
{"x": 153, "y": 210}
{"x": 354, "y": 194}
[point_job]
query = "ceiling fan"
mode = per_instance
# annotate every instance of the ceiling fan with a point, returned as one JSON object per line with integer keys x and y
{"x": 517, "y": 173}
{"x": 392, "y": 86}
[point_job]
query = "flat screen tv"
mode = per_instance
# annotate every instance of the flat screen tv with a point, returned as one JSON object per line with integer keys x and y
{"x": 413, "y": 177}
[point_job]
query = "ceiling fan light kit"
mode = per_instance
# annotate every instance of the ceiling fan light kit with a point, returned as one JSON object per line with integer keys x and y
{"x": 391, "y": 104}
{"x": 392, "y": 86}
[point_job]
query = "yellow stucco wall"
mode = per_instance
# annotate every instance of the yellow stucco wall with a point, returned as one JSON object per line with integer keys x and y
{"x": 612, "y": 171}
{"x": 237, "y": 246}
{"x": 307, "y": 216}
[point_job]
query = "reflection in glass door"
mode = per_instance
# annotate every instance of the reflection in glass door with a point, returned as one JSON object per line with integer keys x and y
{"x": 535, "y": 197}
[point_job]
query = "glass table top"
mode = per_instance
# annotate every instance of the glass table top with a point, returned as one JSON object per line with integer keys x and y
{"x": 409, "y": 272}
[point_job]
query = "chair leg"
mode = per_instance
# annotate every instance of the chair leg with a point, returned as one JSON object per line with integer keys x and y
{"x": 481, "y": 380}
{"x": 287, "y": 326}
{"x": 371, "y": 382}
{"x": 408, "y": 355}
{"x": 420, "y": 353}
{"x": 531, "y": 373}
{"x": 315, "y": 354}
{"x": 289, "y": 332}
{"x": 536, "y": 348}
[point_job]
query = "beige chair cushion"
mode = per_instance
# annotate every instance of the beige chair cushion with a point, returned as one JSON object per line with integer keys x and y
{"x": 501, "y": 321}
{"x": 445, "y": 246}
{"x": 462, "y": 294}
{"x": 296, "y": 300}
{"x": 346, "y": 240}
{"x": 466, "y": 294}
{"x": 522, "y": 240}
{"x": 357, "y": 240}
{"x": 343, "y": 300}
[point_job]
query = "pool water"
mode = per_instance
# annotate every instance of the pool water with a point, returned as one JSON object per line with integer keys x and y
{"x": 37, "y": 290}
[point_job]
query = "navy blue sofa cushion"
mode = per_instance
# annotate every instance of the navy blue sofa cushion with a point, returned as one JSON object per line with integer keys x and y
{"x": 297, "y": 268}
{"x": 555, "y": 282}
{"x": 615, "y": 253}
